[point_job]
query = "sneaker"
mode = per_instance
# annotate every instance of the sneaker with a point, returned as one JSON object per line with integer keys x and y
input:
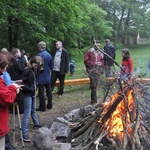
{"x": 38, "y": 125}
{"x": 26, "y": 138}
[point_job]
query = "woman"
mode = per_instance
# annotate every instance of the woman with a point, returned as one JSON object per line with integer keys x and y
{"x": 7, "y": 97}
{"x": 29, "y": 94}
{"x": 127, "y": 64}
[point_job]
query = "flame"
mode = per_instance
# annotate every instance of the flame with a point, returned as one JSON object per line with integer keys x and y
{"x": 119, "y": 122}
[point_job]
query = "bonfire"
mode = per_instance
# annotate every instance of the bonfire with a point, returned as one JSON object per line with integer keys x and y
{"x": 116, "y": 124}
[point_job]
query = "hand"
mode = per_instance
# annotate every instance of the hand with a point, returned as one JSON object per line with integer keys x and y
{"x": 18, "y": 87}
{"x": 99, "y": 63}
{"x": 18, "y": 82}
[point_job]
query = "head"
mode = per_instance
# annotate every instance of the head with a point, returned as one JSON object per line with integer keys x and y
{"x": 5, "y": 59}
{"x": 9, "y": 56}
{"x": 16, "y": 52}
{"x": 58, "y": 44}
{"x": 23, "y": 51}
{"x": 41, "y": 45}
{"x": 72, "y": 61}
{"x": 4, "y": 50}
{"x": 107, "y": 41}
{"x": 125, "y": 54}
{"x": 96, "y": 44}
{"x": 36, "y": 62}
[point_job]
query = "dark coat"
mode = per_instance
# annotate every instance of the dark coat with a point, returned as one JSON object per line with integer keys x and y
{"x": 64, "y": 64}
{"x": 28, "y": 77}
{"x": 110, "y": 50}
{"x": 16, "y": 69}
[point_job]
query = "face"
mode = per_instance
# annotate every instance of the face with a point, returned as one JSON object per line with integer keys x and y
{"x": 58, "y": 45}
{"x": 97, "y": 45}
{"x": 122, "y": 54}
{"x": 35, "y": 66}
{"x": 18, "y": 53}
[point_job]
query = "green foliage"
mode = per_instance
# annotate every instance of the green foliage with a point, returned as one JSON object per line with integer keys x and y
{"x": 24, "y": 23}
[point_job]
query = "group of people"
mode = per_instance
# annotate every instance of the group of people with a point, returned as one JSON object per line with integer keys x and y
{"x": 21, "y": 77}
{"x": 19, "y": 80}
{"x": 98, "y": 60}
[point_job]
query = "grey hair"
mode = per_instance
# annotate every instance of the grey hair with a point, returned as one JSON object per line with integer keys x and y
{"x": 42, "y": 44}
{"x": 4, "y": 50}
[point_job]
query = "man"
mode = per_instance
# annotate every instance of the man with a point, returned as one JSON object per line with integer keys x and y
{"x": 108, "y": 62}
{"x": 43, "y": 78}
{"x": 60, "y": 67}
{"x": 93, "y": 60}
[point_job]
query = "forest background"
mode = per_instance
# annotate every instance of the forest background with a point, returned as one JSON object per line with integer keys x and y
{"x": 24, "y": 23}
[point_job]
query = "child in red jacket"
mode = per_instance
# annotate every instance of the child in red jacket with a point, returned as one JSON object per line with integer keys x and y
{"x": 127, "y": 64}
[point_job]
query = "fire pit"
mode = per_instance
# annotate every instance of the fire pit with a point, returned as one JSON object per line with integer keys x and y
{"x": 119, "y": 123}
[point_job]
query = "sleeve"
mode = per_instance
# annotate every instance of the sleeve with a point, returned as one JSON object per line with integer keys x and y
{"x": 25, "y": 76}
{"x": 67, "y": 61}
{"x": 130, "y": 66}
{"x": 87, "y": 60}
{"x": 7, "y": 94}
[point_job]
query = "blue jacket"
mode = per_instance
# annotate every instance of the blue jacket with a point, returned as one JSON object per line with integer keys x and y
{"x": 7, "y": 78}
{"x": 43, "y": 77}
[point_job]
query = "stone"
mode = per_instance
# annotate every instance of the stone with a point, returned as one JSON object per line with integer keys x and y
{"x": 43, "y": 139}
{"x": 61, "y": 146}
{"x": 73, "y": 116}
{"x": 60, "y": 130}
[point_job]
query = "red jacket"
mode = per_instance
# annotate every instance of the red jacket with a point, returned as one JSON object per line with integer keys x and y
{"x": 127, "y": 65}
{"x": 7, "y": 97}
{"x": 90, "y": 59}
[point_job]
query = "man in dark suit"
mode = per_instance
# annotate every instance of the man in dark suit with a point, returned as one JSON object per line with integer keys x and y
{"x": 60, "y": 67}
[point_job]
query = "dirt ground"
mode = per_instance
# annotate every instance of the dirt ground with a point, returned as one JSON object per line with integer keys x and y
{"x": 74, "y": 97}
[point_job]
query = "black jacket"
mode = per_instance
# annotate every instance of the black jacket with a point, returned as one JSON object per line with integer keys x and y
{"x": 15, "y": 70}
{"x": 64, "y": 64}
{"x": 28, "y": 77}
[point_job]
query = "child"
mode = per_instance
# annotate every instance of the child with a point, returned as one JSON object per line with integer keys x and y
{"x": 29, "y": 95}
{"x": 72, "y": 66}
{"x": 127, "y": 64}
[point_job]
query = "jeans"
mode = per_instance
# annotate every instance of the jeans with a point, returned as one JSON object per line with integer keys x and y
{"x": 29, "y": 109}
{"x": 41, "y": 87}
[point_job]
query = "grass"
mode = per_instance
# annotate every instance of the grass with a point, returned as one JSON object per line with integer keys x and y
{"x": 140, "y": 55}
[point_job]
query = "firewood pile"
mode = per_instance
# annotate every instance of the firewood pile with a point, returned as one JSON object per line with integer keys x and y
{"x": 121, "y": 122}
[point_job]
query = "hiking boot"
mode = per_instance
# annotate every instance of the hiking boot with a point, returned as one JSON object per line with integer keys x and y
{"x": 26, "y": 138}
